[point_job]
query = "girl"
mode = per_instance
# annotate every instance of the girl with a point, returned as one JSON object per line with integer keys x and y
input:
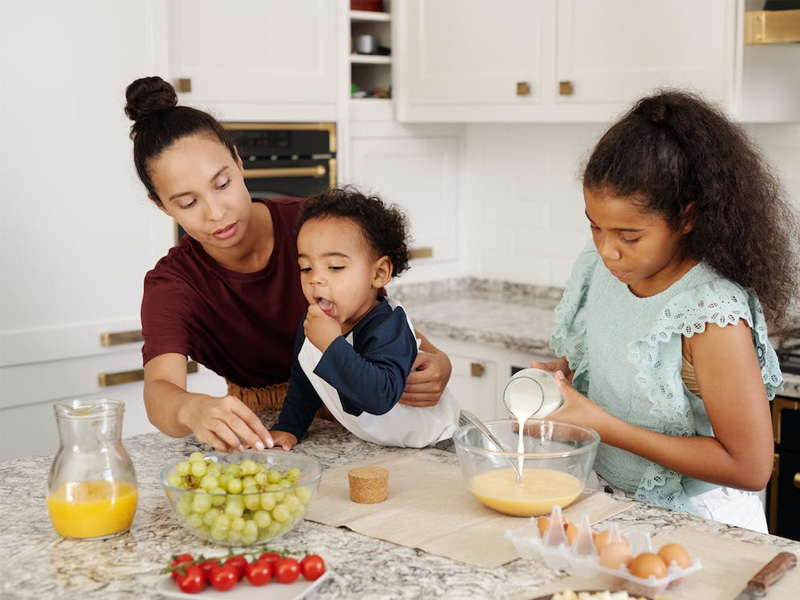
{"x": 355, "y": 348}
{"x": 228, "y": 294}
{"x": 661, "y": 330}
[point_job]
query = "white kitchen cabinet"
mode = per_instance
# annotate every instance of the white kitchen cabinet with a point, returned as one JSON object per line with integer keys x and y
{"x": 263, "y": 60}
{"x": 557, "y": 60}
{"x": 480, "y": 372}
{"x": 77, "y": 232}
{"x": 417, "y": 168}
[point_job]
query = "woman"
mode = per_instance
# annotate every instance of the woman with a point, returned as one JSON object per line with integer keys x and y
{"x": 228, "y": 294}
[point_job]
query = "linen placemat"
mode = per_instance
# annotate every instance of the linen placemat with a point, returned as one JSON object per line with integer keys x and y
{"x": 430, "y": 508}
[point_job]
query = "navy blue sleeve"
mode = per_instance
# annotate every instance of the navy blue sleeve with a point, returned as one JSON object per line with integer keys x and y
{"x": 302, "y": 401}
{"x": 370, "y": 375}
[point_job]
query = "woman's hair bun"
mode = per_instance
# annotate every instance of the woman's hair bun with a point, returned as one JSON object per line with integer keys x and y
{"x": 149, "y": 95}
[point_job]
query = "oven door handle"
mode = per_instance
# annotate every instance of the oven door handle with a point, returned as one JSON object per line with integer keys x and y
{"x": 317, "y": 172}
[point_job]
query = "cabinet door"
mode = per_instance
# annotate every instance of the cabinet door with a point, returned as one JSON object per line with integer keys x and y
{"x": 468, "y": 53}
{"x": 256, "y": 51}
{"x": 473, "y": 382}
{"x": 421, "y": 175}
{"x": 610, "y": 52}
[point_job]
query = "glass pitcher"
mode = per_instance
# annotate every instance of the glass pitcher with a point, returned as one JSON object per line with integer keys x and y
{"x": 91, "y": 488}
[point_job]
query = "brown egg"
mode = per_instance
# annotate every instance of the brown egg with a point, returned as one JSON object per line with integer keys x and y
{"x": 677, "y": 554}
{"x": 647, "y": 565}
{"x": 572, "y": 532}
{"x": 544, "y": 525}
{"x": 616, "y": 554}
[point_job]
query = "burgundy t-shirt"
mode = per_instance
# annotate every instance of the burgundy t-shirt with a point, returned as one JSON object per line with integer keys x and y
{"x": 242, "y": 326}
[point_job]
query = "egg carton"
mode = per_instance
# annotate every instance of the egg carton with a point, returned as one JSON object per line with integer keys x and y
{"x": 581, "y": 556}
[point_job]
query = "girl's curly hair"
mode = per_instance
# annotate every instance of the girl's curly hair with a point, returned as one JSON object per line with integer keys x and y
{"x": 683, "y": 159}
{"x": 385, "y": 226}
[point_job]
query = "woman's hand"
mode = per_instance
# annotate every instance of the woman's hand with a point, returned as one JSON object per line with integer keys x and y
{"x": 225, "y": 423}
{"x": 559, "y": 364}
{"x": 428, "y": 378}
{"x": 283, "y": 439}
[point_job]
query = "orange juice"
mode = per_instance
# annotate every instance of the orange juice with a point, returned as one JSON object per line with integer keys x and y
{"x": 92, "y": 509}
{"x": 538, "y": 492}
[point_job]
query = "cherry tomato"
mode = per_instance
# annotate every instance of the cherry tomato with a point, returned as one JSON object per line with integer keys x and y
{"x": 224, "y": 578}
{"x": 312, "y": 567}
{"x": 192, "y": 581}
{"x": 180, "y": 559}
{"x": 270, "y": 557}
{"x": 239, "y": 563}
{"x": 259, "y": 572}
{"x": 287, "y": 570}
{"x": 207, "y": 566}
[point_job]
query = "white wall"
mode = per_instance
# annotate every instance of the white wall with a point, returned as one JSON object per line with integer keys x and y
{"x": 521, "y": 191}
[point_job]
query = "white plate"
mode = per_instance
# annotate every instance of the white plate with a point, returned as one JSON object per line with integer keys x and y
{"x": 244, "y": 591}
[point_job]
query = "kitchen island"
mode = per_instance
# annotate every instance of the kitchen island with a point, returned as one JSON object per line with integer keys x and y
{"x": 39, "y": 564}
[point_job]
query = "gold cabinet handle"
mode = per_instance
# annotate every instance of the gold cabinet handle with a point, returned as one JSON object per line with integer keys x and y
{"x": 797, "y": 480}
{"x": 771, "y": 26}
{"x": 426, "y": 252}
{"x": 184, "y": 85}
{"x": 109, "y": 379}
{"x": 523, "y": 88}
{"x": 316, "y": 172}
{"x": 476, "y": 369}
{"x": 565, "y": 88}
{"x": 115, "y": 338}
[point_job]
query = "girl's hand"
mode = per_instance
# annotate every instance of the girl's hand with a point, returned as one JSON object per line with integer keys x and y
{"x": 320, "y": 329}
{"x": 226, "y": 424}
{"x": 284, "y": 439}
{"x": 577, "y": 408}
{"x": 559, "y": 364}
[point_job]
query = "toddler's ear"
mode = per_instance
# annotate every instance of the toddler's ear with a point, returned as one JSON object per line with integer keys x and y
{"x": 688, "y": 218}
{"x": 382, "y": 272}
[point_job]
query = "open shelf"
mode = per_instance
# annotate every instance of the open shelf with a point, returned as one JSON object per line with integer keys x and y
{"x": 370, "y": 59}
{"x": 364, "y": 16}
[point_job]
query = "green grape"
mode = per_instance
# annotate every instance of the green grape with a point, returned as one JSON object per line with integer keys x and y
{"x": 280, "y": 496}
{"x": 293, "y": 502}
{"x": 237, "y": 523}
{"x": 304, "y": 494}
{"x": 209, "y": 482}
{"x": 194, "y": 521}
{"x": 249, "y": 533}
{"x": 175, "y": 480}
{"x": 293, "y": 474}
{"x": 219, "y": 533}
{"x": 184, "y": 505}
{"x": 252, "y": 501}
{"x": 235, "y": 537}
{"x": 274, "y": 476}
{"x": 183, "y": 468}
{"x": 211, "y": 515}
{"x": 268, "y": 501}
{"x": 234, "y": 507}
{"x": 214, "y": 468}
{"x": 260, "y": 478}
{"x": 198, "y": 468}
{"x": 224, "y": 479}
{"x": 248, "y": 467}
{"x": 274, "y": 529}
{"x": 217, "y": 496}
{"x": 235, "y": 486}
{"x": 261, "y": 519}
{"x": 197, "y": 457}
{"x": 281, "y": 513}
{"x": 232, "y": 470}
{"x": 201, "y": 503}
{"x": 248, "y": 481}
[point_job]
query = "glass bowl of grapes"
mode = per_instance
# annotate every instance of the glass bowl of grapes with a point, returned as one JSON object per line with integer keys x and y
{"x": 241, "y": 499}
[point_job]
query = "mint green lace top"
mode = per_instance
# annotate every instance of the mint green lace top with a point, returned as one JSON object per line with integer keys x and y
{"x": 626, "y": 353}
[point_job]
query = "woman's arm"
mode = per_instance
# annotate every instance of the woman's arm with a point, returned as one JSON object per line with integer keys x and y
{"x": 224, "y": 423}
{"x": 429, "y": 375}
{"x": 740, "y": 454}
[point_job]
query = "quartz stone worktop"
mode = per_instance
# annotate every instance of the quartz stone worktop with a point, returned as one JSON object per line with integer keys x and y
{"x": 506, "y": 315}
{"x": 40, "y": 565}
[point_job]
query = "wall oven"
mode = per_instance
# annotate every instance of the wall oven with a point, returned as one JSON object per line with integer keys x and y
{"x": 285, "y": 159}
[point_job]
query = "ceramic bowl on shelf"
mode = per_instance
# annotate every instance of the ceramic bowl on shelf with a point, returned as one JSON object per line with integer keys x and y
{"x": 241, "y": 499}
{"x": 555, "y": 463}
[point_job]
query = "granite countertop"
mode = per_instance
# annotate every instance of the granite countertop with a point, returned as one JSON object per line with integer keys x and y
{"x": 38, "y": 564}
{"x": 511, "y": 316}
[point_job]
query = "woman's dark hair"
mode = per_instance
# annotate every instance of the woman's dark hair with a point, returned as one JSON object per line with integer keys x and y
{"x": 385, "y": 226}
{"x": 158, "y": 122}
{"x": 682, "y": 159}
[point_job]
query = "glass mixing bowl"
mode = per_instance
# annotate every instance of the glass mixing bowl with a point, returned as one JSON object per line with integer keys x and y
{"x": 557, "y": 460}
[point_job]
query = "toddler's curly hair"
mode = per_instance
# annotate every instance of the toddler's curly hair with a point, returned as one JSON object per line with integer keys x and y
{"x": 385, "y": 226}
